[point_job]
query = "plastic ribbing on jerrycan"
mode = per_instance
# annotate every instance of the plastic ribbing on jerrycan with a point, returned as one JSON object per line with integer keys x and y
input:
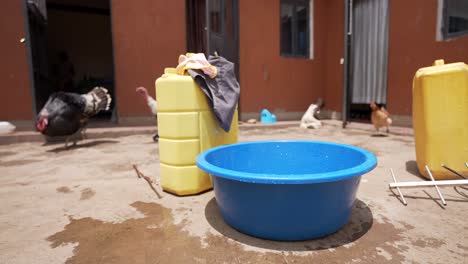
{"x": 440, "y": 119}
{"x": 186, "y": 127}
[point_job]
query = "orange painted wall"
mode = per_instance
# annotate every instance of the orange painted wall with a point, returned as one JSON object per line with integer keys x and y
{"x": 14, "y": 73}
{"x": 334, "y": 50}
{"x": 413, "y": 45}
{"x": 150, "y": 35}
{"x": 147, "y": 37}
{"x": 267, "y": 79}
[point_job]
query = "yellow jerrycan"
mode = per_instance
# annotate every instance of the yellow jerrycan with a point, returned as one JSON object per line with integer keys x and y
{"x": 186, "y": 127}
{"x": 440, "y": 119}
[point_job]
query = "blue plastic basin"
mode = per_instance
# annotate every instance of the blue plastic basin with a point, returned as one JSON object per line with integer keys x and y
{"x": 286, "y": 190}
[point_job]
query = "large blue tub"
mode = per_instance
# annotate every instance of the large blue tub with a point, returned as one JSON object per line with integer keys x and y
{"x": 286, "y": 190}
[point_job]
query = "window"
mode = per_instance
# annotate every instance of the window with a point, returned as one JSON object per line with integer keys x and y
{"x": 295, "y": 28}
{"x": 455, "y": 18}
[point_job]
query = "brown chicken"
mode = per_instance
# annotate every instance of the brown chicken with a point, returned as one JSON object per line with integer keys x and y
{"x": 380, "y": 117}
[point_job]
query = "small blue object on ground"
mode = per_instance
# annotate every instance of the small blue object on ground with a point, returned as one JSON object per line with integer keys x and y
{"x": 286, "y": 190}
{"x": 267, "y": 118}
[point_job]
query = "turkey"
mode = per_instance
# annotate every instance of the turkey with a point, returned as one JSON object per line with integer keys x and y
{"x": 152, "y": 104}
{"x": 65, "y": 114}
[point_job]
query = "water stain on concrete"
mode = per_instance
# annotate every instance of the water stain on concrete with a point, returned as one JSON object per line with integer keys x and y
{"x": 87, "y": 193}
{"x": 156, "y": 239}
{"x": 64, "y": 189}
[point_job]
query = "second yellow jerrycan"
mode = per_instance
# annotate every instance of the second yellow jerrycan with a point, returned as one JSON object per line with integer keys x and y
{"x": 440, "y": 119}
{"x": 186, "y": 127}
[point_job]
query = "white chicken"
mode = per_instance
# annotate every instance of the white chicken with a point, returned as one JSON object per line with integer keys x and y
{"x": 309, "y": 119}
{"x": 6, "y": 127}
{"x": 151, "y": 102}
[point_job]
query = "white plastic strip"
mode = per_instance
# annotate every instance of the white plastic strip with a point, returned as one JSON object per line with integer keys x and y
{"x": 428, "y": 184}
{"x": 436, "y": 187}
{"x": 398, "y": 189}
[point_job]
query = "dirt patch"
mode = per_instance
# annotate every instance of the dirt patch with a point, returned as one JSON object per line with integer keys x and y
{"x": 64, "y": 189}
{"x": 428, "y": 243}
{"x": 464, "y": 248}
{"x": 6, "y": 153}
{"x": 17, "y": 162}
{"x": 120, "y": 167}
{"x": 87, "y": 193}
{"x": 155, "y": 239}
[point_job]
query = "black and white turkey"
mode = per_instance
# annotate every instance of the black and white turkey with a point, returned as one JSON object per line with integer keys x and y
{"x": 65, "y": 114}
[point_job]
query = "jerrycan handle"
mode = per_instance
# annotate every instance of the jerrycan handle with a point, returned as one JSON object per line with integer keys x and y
{"x": 439, "y": 62}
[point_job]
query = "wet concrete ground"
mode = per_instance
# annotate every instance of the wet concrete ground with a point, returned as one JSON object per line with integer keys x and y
{"x": 86, "y": 205}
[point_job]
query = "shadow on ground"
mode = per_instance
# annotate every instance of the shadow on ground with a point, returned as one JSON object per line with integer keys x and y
{"x": 82, "y": 145}
{"x": 462, "y": 191}
{"x": 412, "y": 167}
{"x": 379, "y": 135}
{"x": 359, "y": 224}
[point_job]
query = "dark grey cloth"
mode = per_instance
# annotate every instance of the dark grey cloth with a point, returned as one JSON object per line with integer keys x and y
{"x": 222, "y": 91}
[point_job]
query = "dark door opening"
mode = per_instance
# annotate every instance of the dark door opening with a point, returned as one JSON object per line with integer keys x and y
{"x": 366, "y": 55}
{"x": 72, "y": 51}
{"x": 37, "y": 25}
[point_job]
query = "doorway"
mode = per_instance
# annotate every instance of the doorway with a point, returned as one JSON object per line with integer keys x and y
{"x": 71, "y": 49}
{"x": 366, "y": 41}
{"x": 212, "y": 27}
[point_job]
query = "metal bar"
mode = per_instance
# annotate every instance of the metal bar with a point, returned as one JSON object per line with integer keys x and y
{"x": 435, "y": 186}
{"x": 346, "y": 65}
{"x": 428, "y": 183}
{"x": 398, "y": 189}
{"x": 453, "y": 171}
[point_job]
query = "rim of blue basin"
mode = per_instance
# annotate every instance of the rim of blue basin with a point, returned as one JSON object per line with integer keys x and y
{"x": 369, "y": 163}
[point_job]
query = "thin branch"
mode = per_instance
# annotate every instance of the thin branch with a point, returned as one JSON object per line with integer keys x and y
{"x": 148, "y": 180}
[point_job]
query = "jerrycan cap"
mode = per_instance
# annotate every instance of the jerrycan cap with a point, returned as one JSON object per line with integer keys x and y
{"x": 438, "y": 62}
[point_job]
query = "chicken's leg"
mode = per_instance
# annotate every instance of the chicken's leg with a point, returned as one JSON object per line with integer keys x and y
{"x": 66, "y": 142}
{"x": 83, "y": 133}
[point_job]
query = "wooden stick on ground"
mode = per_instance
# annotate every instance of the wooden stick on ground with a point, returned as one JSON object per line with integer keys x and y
{"x": 147, "y": 179}
{"x": 140, "y": 175}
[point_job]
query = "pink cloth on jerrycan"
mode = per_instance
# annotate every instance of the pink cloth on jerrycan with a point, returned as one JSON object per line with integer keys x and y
{"x": 195, "y": 61}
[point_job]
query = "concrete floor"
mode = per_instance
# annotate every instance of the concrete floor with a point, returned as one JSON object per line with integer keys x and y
{"x": 86, "y": 205}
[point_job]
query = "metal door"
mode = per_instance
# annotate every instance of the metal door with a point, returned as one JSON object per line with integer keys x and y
{"x": 222, "y": 29}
